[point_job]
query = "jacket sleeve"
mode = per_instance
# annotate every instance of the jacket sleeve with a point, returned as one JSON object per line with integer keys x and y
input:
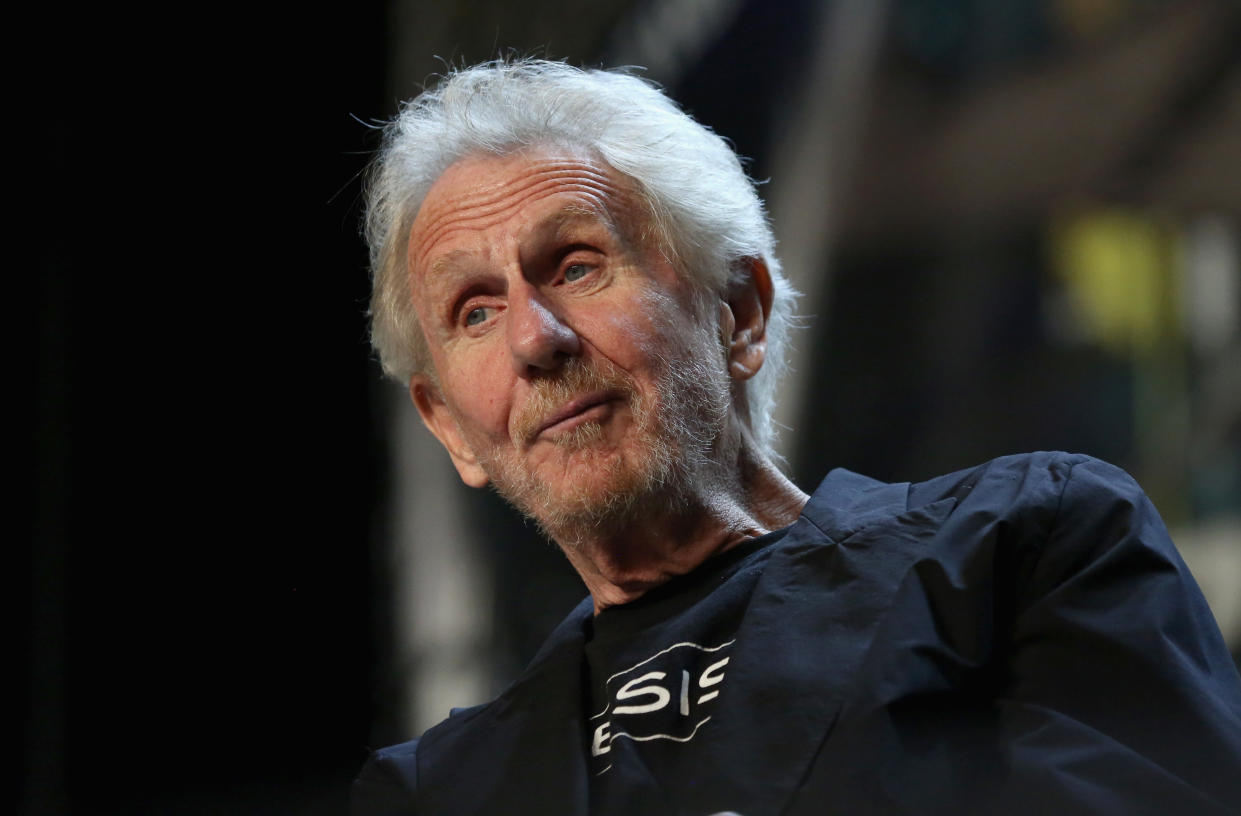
{"x": 1120, "y": 688}
{"x": 387, "y": 782}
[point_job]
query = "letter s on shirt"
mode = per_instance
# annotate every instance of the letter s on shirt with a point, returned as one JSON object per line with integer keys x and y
{"x": 633, "y": 689}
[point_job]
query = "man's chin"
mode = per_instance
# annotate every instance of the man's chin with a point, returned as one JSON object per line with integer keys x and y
{"x": 595, "y": 490}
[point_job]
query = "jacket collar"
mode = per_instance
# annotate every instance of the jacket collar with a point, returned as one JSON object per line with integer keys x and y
{"x": 846, "y": 501}
{"x": 819, "y": 598}
{"x": 809, "y": 625}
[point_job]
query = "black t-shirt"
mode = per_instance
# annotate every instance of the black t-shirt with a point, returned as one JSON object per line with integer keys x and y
{"x": 657, "y": 669}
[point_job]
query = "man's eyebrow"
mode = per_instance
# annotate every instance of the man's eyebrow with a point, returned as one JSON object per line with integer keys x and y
{"x": 442, "y": 276}
{"x": 576, "y": 210}
{"x": 571, "y": 214}
{"x": 446, "y": 265}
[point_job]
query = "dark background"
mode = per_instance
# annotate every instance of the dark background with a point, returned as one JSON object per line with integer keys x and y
{"x": 204, "y": 621}
{"x": 196, "y": 589}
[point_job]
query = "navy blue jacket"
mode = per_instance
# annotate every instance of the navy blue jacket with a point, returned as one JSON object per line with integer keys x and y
{"x": 1021, "y": 637}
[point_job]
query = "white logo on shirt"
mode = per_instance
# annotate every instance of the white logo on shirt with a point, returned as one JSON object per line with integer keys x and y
{"x": 664, "y": 697}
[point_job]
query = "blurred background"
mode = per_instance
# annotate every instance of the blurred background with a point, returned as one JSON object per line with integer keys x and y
{"x": 1017, "y": 225}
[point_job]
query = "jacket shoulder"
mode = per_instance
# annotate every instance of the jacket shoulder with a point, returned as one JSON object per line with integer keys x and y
{"x": 846, "y": 502}
{"x": 386, "y": 784}
{"x": 421, "y": 773}
{"x": 1027, "y": 477}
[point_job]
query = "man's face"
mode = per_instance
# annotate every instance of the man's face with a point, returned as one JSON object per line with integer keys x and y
{"x": 576, "y": 370}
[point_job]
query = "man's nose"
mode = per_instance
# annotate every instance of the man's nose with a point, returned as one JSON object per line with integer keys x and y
{"x": 539, "y": 339}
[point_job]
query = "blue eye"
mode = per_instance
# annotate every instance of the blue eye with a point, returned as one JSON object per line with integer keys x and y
{"x": 476, "y": 316}
{"x": 576, "y": 272}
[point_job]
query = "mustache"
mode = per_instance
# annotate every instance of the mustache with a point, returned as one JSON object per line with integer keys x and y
{"x": 575, "y": 378}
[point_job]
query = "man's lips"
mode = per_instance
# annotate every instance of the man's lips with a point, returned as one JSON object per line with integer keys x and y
{"x": 578, "y": 410}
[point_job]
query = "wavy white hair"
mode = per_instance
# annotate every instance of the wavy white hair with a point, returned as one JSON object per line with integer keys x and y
{"x": 705, "y": 208}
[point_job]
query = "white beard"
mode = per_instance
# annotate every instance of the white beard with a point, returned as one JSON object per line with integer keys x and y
{"x": 660, "y": 466}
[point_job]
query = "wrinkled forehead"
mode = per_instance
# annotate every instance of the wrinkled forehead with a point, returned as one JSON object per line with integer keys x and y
{"x": 483, "y": 192}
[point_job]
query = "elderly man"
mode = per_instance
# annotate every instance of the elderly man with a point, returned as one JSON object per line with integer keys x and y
{"x": 577, "y": 283}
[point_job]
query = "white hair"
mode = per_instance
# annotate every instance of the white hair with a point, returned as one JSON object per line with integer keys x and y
{"x": 705, "y": 208}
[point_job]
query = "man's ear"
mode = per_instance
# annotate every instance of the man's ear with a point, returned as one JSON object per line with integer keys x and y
{"x": 439, "y": 421}
{"x": 748, "y": 307}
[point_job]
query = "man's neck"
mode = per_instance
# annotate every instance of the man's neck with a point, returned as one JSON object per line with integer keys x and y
{"x": 674, "y": 538}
